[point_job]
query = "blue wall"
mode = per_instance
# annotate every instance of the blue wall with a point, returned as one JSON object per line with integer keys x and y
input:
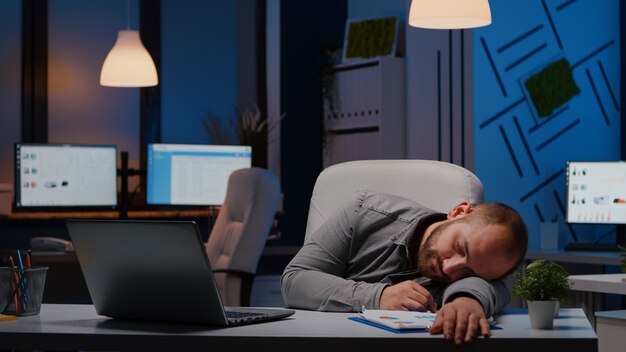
{"x": 519, "y": 156}
{"x": 358, "y": 9}
{"x": 199, "y": 66}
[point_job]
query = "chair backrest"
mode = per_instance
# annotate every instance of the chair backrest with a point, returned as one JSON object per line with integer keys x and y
{"x": 435, "y": 184}
{"x": 242, "y": 227}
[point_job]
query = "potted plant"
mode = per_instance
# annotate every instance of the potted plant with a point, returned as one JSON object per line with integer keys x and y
{"x": 543, "y": 285}
{"x": 247, "y": 127}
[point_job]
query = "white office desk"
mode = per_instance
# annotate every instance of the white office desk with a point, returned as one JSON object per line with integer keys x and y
{"x": 601, "y": 283}
{"x": 74, "y": 327}
{"x": 590, "y": 286}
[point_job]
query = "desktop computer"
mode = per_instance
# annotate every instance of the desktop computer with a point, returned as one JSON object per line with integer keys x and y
{"x": 596, "y": 195}
{"x": 64, "y": 176}
{"x": 192, "y": 174}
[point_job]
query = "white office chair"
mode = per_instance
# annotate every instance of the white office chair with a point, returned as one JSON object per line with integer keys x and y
{"x": 239, "y": 234}
{"x": 435, "y": 184}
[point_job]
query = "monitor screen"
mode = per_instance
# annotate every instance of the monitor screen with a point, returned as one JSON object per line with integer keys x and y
{"x": 192, "y": 174}
{"x": 65, "y": 175}
{"x": 596, "y": 192}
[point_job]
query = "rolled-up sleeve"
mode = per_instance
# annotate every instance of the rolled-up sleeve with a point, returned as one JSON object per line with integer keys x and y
{"x": 493, "y": 295}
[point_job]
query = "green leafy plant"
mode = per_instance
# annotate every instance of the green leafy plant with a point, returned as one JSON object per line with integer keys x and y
{"x": 247, "y": 127}
{"x": 622, "y": 265}
{"x": 552, "y": 87}
{"x": 371, "y": 38}
{"x": 542, "y": 281}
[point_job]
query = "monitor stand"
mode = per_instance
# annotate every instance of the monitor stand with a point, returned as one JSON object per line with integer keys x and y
{"x": 620, "y": 241}
{"x": 620, "y": 235}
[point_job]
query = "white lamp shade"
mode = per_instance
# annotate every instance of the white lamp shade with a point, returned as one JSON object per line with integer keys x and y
{"x": 449, "y": 14}
{"x": 128, "y": 64}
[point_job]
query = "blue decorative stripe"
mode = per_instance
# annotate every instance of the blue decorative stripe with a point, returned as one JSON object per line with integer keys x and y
{"x": 493, "y": 66}
{"x": 553, "y": 138}
{"x": 439, "y": 104}
{"x": 538, "y": 211}
{"x": 556, "y": 35}
{"x": 450, "y": 91}
{"x": 541, "y": 185}
{"x": 595, "y": 92}
{"x": 557, "y": 199}
{"x": 564, "y": 5}
{"x": 592, "y": 54}
{"x": 608, "y": 86}
{"x": 518, "y": 39}
{"x": 508, "y": 145}
{"x": 521, "y": 135}
{"x": 507, "y": 109}
{"x": 526, "y": 57}
{"x": 548, "y": 119}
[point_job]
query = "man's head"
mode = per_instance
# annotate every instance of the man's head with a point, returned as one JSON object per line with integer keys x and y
{"x": 488, "y": 240}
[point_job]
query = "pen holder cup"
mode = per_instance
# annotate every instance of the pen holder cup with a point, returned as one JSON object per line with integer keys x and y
{"x": 21, "y": 290}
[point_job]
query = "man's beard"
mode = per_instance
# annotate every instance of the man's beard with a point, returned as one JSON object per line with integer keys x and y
{"x": 427, "y": 255}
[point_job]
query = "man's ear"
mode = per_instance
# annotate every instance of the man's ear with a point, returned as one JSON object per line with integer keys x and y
{"x": 461, "y": 210}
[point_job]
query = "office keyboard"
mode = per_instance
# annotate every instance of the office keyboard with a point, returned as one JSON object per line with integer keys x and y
{"x": 593, "y": 247}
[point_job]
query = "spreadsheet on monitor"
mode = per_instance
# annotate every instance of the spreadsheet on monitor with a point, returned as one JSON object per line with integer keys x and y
{"x": 192, "y": 174}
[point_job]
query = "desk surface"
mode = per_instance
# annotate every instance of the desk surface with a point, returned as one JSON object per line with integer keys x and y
{"x": 603, "y": 283}
{"x": 73, "y": 327}
{"x": 579, "y": 257}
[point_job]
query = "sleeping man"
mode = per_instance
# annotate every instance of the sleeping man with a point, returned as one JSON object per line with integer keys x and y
{"x": 382, "y": 251}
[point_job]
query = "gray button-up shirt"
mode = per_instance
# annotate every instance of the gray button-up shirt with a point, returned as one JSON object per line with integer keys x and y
{"x": 364, "y": 247}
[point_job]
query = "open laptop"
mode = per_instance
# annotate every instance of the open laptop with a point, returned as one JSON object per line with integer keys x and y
{"x": 154, "y": 270}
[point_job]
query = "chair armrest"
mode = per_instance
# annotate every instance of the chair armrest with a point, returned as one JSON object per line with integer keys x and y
{"x": 241, "y": 273}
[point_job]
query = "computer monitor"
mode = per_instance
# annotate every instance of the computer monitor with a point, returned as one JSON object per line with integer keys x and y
{"x": 192, "y": 174}
{"x": 58, "y": 176}
{"x": 596, "y": 194}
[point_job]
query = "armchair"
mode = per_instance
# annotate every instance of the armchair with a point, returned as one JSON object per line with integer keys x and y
{"x": 436, "y": 184}
{"x": 239, "y": 234}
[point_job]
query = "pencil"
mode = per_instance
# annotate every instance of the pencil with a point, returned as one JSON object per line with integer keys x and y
{"x": 15, "y": 285}
{"x": 23, "y": 279}
{"x": 28, "y": 262}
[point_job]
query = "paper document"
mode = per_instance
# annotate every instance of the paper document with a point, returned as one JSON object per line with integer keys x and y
{"x": 399, "y": 320}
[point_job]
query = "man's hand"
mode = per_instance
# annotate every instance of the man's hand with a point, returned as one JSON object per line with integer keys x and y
{"x": 461, "y": 320}
{"x": 407, "y": 295}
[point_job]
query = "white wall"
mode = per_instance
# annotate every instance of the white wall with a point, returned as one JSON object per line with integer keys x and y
{"x": 436, "y": 108}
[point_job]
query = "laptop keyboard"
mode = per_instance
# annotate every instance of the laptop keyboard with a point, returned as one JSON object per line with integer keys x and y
{"x": 241, "y": 315}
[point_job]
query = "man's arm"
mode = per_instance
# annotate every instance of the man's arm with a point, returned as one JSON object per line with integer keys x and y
{"x": 314, "y": 278}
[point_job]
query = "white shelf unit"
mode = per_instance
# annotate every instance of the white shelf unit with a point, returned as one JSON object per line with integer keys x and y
{"x": 369, "y": 121}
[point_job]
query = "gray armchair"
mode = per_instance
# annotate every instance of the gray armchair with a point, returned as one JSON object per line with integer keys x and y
{"x": 238, "y": 237}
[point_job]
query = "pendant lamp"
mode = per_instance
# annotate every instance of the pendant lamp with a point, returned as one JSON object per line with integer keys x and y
{"x": 449, "y": 14}
{"x": 128, "y": 64}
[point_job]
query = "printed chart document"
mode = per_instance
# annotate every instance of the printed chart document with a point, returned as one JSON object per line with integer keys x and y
{"x": 399, "y": 320}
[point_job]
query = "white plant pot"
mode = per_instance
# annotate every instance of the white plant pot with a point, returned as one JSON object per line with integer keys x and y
{"x": 541, "y": 314}
{"x": 557, "y": 307}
